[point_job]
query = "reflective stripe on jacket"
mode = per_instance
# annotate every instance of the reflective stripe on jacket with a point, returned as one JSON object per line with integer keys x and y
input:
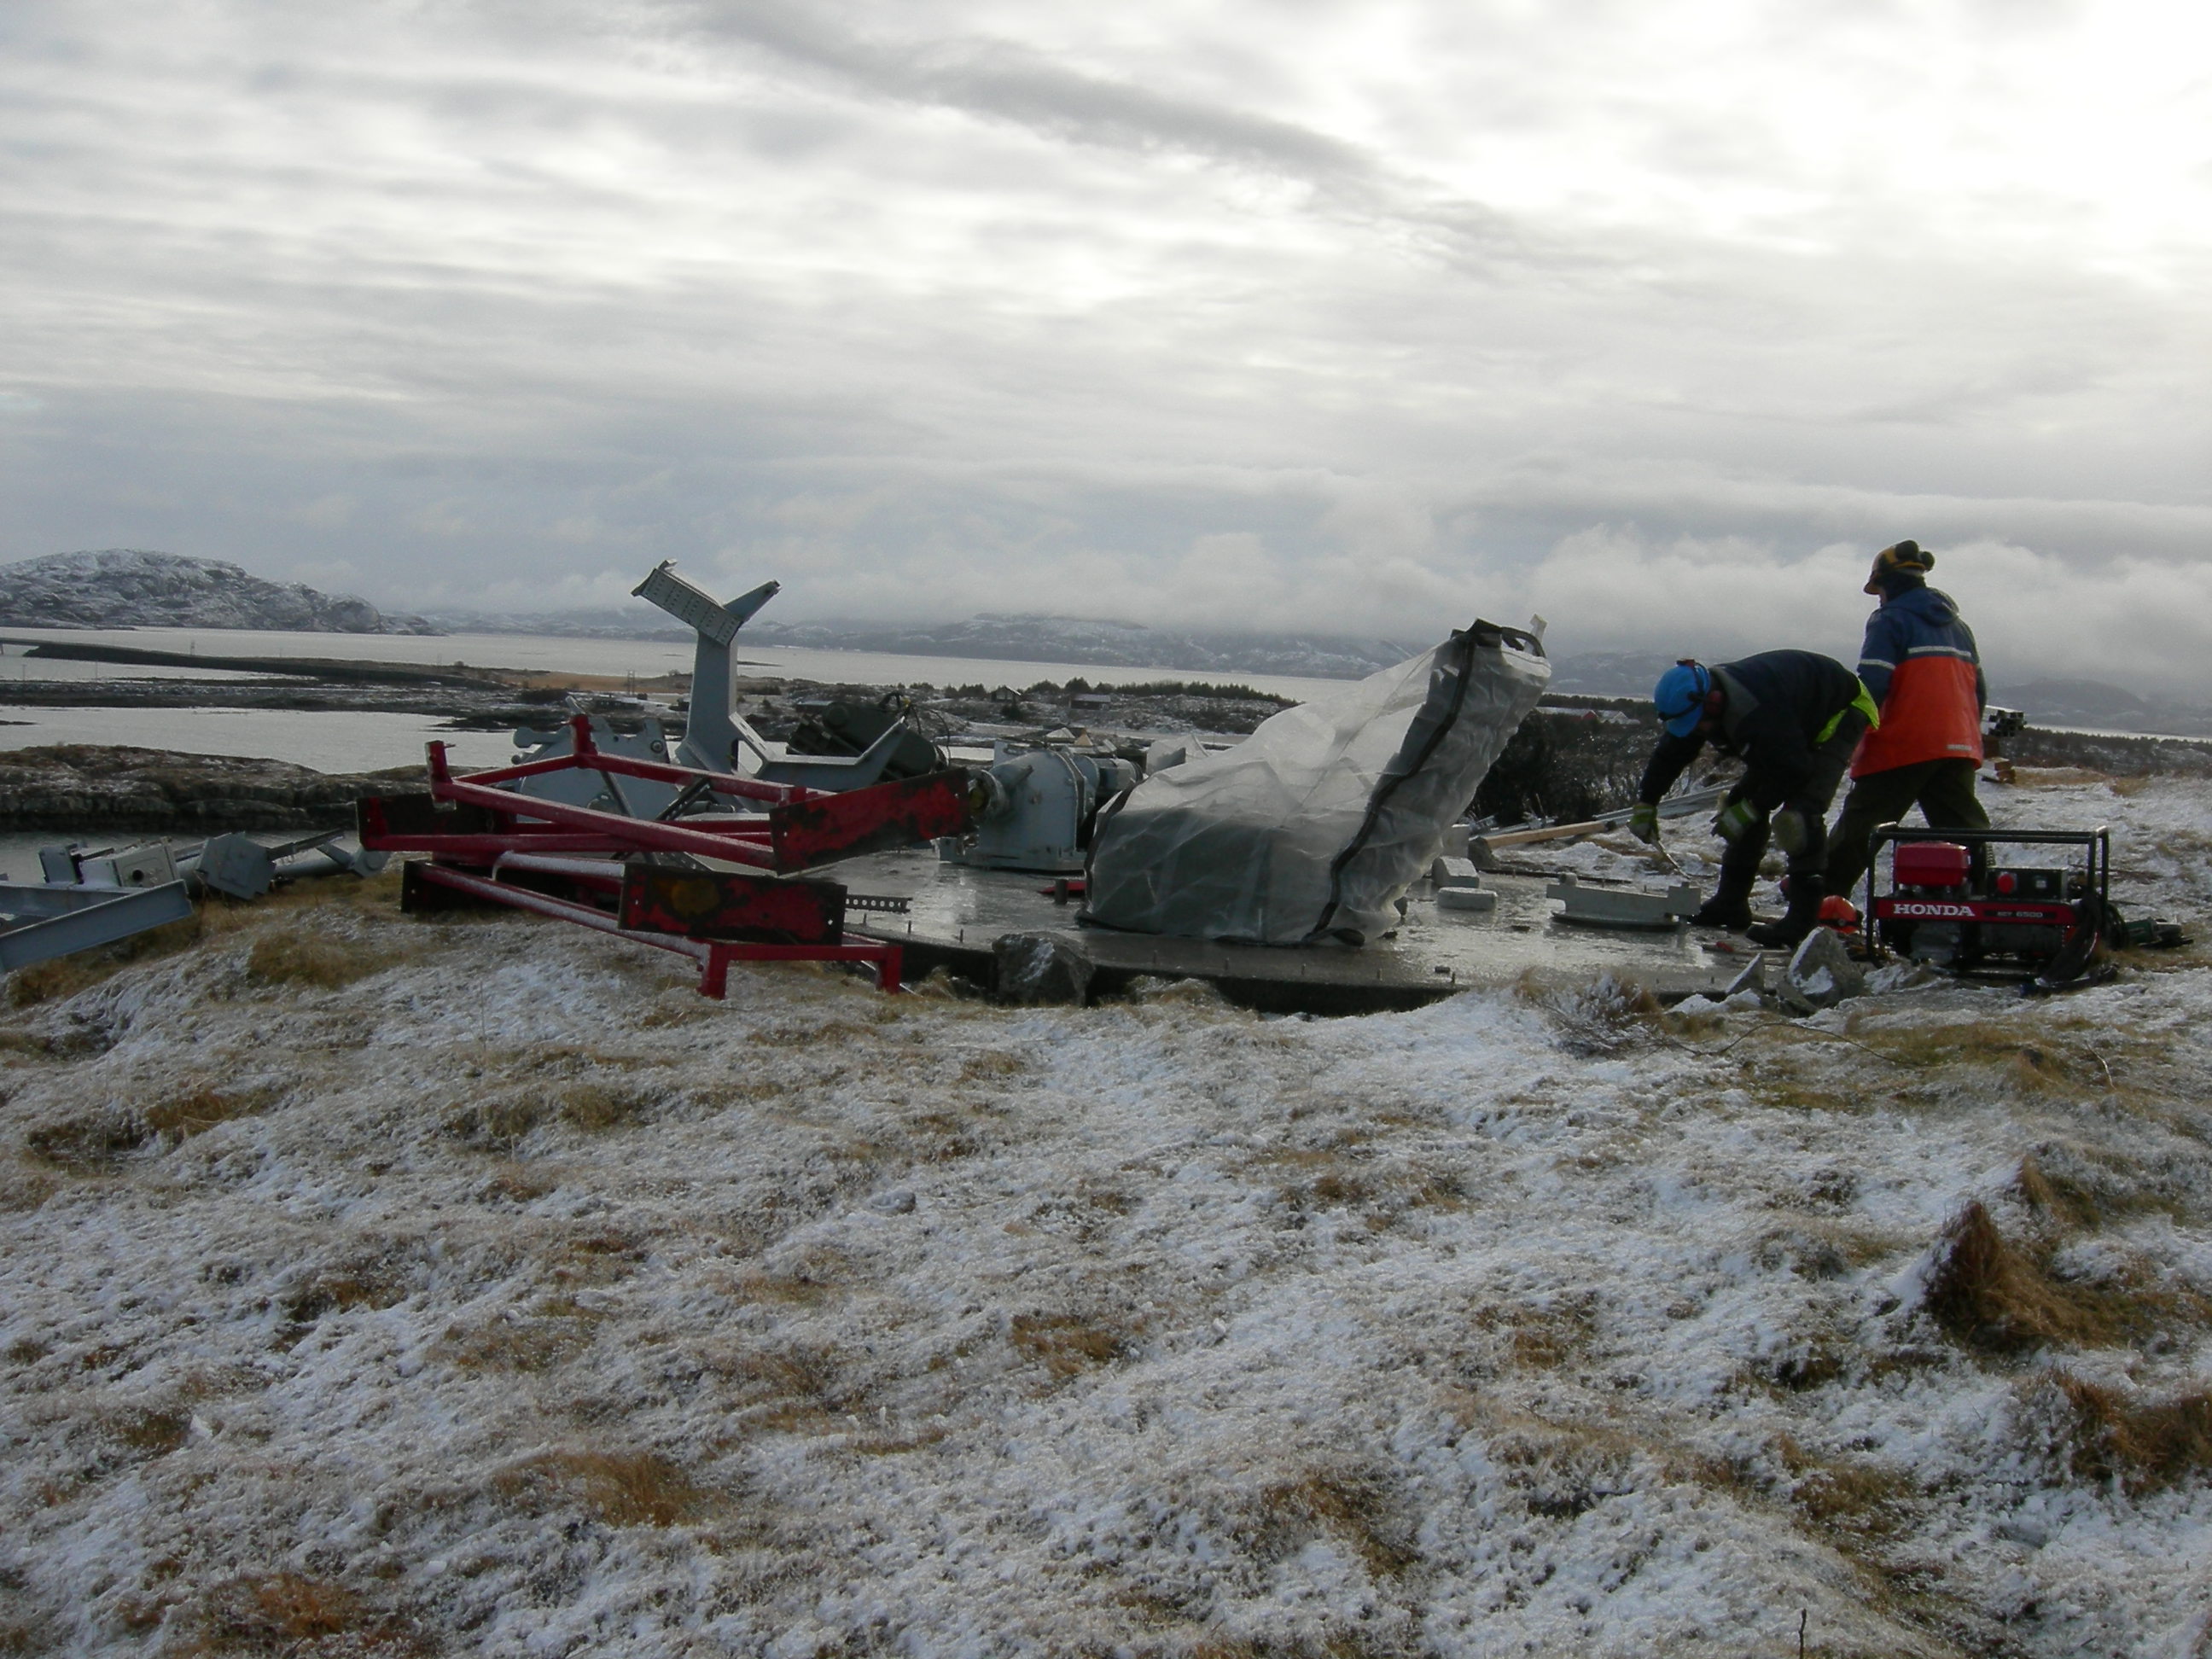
{"x": 1921, "y": 661}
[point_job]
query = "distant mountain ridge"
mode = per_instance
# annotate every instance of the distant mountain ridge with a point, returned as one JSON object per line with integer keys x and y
{"x": 2100, "y": 707}
{"x": 1018, "y": 637}
{"x": 127, "y": 587}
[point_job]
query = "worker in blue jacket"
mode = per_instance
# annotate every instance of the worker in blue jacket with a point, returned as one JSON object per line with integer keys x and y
{"x": 1794, "y": 719}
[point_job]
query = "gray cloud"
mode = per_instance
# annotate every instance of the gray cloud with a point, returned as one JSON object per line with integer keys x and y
{"x": 1301, "y": 316}
{"x": 1003, "y": 80}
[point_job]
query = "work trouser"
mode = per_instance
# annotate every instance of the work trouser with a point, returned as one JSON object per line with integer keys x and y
{"x": 1943, "y": 790}
{"x": 1809, "y": 800}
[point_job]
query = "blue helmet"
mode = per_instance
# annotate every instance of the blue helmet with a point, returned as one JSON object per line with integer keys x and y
{"x": 1680, "y": 696}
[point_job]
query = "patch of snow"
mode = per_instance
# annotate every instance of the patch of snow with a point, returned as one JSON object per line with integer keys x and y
{"x": 516, "y": 1296}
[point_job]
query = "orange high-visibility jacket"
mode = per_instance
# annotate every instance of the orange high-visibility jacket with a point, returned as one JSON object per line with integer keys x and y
{"x": 1920, "y": 663}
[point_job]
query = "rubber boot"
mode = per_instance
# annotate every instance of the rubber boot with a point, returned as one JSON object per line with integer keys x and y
{"x": 1730, "y": 905}
{"x": 1806, "y": 892}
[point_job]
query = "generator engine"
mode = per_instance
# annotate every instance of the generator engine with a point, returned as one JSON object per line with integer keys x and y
{"x": 1951, "y": 907}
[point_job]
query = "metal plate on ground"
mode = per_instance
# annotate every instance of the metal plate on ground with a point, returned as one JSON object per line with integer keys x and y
{"x": 961, "y": 910}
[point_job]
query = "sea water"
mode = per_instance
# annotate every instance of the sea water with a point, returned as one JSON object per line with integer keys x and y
{"x": 348, "y": 741}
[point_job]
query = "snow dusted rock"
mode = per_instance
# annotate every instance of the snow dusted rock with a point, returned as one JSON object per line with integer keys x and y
{"x": 1037, "y": 968}
{"x": 78, "y": 787}
{"x": 1821, "y": 975}
{"x": 899, "y": 1200}
{"x": 123, "y": 587}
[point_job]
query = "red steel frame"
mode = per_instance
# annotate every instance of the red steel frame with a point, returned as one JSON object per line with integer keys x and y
{"x": 557, "y": 828}
{"x": 713, "y": 956}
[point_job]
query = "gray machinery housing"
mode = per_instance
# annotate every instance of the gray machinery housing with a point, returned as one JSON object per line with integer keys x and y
{"x": 1039, "y": 806}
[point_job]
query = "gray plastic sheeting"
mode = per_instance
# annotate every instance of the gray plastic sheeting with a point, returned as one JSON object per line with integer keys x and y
{"x": 1314, "y": 827}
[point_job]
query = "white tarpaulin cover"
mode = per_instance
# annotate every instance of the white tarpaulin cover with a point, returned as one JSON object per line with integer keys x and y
{"x": 1314, "y": 826}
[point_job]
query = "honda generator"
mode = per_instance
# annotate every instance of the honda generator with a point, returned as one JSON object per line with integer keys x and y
{"x": 1953, "y": 905}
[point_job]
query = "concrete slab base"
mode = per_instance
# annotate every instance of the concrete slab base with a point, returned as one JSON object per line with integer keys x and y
{"x": 956, "y": 915}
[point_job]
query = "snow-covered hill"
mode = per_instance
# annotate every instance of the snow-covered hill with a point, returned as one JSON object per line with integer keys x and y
{"x": 124, "y": 588}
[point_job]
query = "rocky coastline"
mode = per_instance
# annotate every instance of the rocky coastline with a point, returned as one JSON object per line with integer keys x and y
{"x": 75, "y": 788}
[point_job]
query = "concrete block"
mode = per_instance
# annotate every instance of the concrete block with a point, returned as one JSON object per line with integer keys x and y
{"x": 1466, "y": 898}
{"x": 1752, "y": 979}
{"x": 1615, "y": 906}
{"x": 1454, "y": 872}
{"x": 1821, "y": 975}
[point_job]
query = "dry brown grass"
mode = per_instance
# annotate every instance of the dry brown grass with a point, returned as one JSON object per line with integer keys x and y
{"x": 297, "y": 956}
{"x": 151, "y": 1430}
{"x": 2143, "y": 1445}
{"x": 373, "y": 1283}
{"x": 830, "y": 1035}
{"x": 620, "y": 1489}
{"x": 1353, "y": 1505}
{"x": 813, "y": 1275}
{"x": 65, "y": 977}
{"x": 991, "y": 1067}
{"x": 518, "y": 1184}
{"x": 555, "y": 1330}
{"x": 25, "y": 1184}
{"x": 49, "y": 982}
{"x": 2029, "y": 1058}
{"x": 182, "y": 1116}
{"x": 498, "y": 1123}
{"x": 1068, "y": 1344}
{"x": 939, "y": 1137}
{"x": 1851, "y": 1502}
{"x": 289, "y": 1614}
{"x": 87, "y": 1142}
{"x": 1991, "y": 1295}
{"x": 1540, "y": 1339}
{"x": 1603, "y": 1017}
{"x": 597, "y": 1107}
{"x": 794, "y": 1389}
{"x": 2072, "y": 1187}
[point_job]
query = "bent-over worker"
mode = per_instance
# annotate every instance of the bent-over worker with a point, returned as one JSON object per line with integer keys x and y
{"x": 1921, "y": 665}
{"x": 1793, "y": 718}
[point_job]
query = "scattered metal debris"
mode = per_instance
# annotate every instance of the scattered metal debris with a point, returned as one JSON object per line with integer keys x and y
{"x": 490, "y": 843}
{"x": 96, "y": 897}
{"x": 41, "y": 921}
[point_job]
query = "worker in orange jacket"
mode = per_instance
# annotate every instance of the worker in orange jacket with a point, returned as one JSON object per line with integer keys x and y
{"x": 1920, "y": 663}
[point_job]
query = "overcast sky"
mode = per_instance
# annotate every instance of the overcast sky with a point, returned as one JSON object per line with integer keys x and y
{"x": 1655, "y": 318}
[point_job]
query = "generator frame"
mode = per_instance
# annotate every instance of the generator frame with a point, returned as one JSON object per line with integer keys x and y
{"x": 1976, "y": 910}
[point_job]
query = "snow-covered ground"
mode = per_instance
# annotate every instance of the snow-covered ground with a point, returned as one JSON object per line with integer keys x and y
{"x": 511, "y": 1298}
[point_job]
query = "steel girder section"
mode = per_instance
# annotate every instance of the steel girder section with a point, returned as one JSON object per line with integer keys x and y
{"x": 43, "y": 922}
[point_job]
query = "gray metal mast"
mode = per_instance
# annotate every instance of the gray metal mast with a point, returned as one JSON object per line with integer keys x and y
{"x": 710, "y": 735}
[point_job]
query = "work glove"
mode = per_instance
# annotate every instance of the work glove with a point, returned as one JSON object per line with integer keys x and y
{"x": 1791, "y": 830}
{"x": 1736, "y": 818}
{"x": 1643, "y": 822}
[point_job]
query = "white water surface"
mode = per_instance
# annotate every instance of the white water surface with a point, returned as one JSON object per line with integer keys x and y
{"x": 336, "y": 741}
{"x": 647, "y": 659}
